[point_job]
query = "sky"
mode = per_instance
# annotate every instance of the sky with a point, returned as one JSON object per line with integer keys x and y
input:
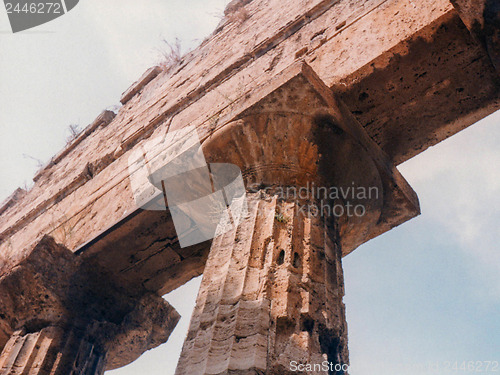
{"x": 420, "y": 299}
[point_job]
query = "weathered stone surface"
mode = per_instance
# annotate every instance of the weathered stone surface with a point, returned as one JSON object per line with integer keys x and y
{"x": 12, "y": 199}
{"x": 52, "y": 351}
{"x": 271, "y": 294}
{"x": 338, "y": 39}
{"x": 272, "y": 287}
{"x": 136, "y": 87}
{"x": 103, "y": 120}
{"x": 52, "y": 287}
{"x": 144, "y": 249}
{"x": 411, "y": 82}
{"x": 296, "y": 111}
{"x": 412, "y": 74}
{"x": 482, "y": 18}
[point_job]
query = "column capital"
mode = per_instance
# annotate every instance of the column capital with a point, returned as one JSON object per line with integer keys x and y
{"x": 294, "y": 132}
{"x": 52, "y": 288}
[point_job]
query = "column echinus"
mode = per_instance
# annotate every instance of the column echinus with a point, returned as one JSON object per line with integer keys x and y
{"x": 316, "y": 188}
{"x": 63, "y": 315}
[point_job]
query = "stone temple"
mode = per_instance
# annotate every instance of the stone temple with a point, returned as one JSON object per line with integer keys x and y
{"x": 300, "y": 96}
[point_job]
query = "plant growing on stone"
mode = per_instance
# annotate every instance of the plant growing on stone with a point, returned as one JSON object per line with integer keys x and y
{"x": 171, "y": 54}
{"x": 39, "y": 163}
{"x": 238, "y": 16}
{"x": 74, "y": 131}
{"x": 280, "y": 218}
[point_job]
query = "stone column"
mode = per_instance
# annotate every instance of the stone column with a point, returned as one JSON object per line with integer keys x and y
{"x": 66, "y": 315}
{"x": 52, "y": 350}
{"x": 271, "y": 294}
{"x": 270, "y": 301}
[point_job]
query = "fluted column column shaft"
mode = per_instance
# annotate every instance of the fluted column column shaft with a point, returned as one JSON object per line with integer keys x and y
{"x": 271, "y": 294}
{"x": 51, "y": 351}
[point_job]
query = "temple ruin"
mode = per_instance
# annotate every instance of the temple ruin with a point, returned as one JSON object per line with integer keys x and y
{"x": 296, "y": 94}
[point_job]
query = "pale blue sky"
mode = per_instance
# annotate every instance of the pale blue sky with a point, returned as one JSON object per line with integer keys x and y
{"x": 426, "y": 292}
